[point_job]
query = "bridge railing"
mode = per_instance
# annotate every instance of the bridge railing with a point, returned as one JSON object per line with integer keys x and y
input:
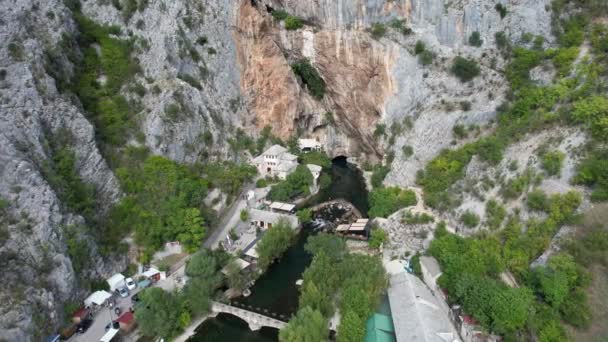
{"x": 257, "y": 310}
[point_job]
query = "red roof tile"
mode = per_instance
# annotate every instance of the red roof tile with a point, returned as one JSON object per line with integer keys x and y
{"x": 80, "y": 313}
{"x": 126, "y": 317}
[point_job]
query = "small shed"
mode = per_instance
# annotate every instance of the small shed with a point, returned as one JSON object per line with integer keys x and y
{"x": 153, "y": 274}
{"x": 116, "y": 281}
{"x": 281, "y": 207}
{"x": 126, "y": 321}
{"x": 97, "y": 298}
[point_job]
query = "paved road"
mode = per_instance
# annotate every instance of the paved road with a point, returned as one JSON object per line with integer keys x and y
{"x": 229, "y": 219}
{"x": 102, "y": 318}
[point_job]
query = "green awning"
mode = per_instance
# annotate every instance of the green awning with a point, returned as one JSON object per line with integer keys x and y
{"x": 379, "y": 328}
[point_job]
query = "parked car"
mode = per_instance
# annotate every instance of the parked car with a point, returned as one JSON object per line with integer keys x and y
{"x": 113, "y": 324}
{"x": 123, "y": 292}
{"x": 144, "y": 283}
{"x": 84, "y": 325}
{"x": 130, "y": 283}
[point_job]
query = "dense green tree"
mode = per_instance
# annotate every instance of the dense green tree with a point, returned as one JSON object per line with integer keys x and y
{"x": 296, "y": 183}
{"x": 351, "y": 328}
{"x": 537, "y": 200}
{"x": 274, "y": 243}
{"x": 156, "y": 313}
{"x": 575, "y": 309}
{"x": 322, "y": 273}
{"x": 385, "y": 201}
{"x": 206, "y": 264}
{"x": 378, "y": 237}
{"x": 510, "y": 308}
{"x": 307, "y": 326}
{"x": 465, "y": 69}
{"x": 234, "y": 275}
{"x": 187, "y": 226}
{"x": 593, "y": 172}
{"x": 310, "y": 77}
{"x": 304, "y": 215}
{"x": 162, "y": 204}
{"x": 333, "y": 246}
{"x": 593, "y": 111}
{"x": 316, "y": 299}
{"x": 197, "y": 295}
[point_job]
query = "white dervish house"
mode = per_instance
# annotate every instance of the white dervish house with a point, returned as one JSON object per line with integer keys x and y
{"x": 276, "y": 161}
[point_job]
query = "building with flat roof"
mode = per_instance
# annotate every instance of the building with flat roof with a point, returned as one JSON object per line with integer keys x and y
{"x": 417, "y": 314}
{"x": 280, "y": 207}
{"x": 276, "y": 162}
{"x": 266, "y": 219}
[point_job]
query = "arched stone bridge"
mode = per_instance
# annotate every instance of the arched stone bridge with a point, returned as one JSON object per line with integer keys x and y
{"x": 255, "y": 320}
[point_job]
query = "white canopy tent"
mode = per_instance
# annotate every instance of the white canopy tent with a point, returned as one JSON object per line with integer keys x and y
{"x": 97, "y": 298}
{"x": 109, "y": 335}
{"x": 150, "y": 272}
{"x": 116, "y": 281}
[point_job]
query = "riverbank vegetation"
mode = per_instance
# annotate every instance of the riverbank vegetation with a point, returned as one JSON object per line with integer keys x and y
{"x": 335, "y": 278}
{"x": 166, "y": 314}
{"x": 297, "y": 183}
{"x": 274, "y": 243}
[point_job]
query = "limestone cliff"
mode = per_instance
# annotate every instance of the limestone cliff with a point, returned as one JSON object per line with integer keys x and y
{"x": 375, "y": 80}
{"x": 38, "y": 275}
{"x": 225, "y": 65}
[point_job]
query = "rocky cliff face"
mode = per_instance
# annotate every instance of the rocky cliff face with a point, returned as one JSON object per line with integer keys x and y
{"x": 227, "y": 65}
{"x": 376, "y": 80}
{"x": 38, "y": 275}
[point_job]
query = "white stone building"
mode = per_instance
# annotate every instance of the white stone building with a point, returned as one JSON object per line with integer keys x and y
{"x": 308, "y": 145}
{"x": 276, "y": 162}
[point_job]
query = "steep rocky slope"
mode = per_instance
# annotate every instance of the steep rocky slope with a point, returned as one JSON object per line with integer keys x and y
{"x": 226, "y": 65}
{"x": 38, "y": 273}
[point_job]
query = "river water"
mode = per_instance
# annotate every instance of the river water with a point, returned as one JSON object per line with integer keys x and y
{"x": 276, "y": 290}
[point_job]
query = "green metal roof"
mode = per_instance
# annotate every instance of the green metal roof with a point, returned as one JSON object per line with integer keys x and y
{"x": 379, "y": 328}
